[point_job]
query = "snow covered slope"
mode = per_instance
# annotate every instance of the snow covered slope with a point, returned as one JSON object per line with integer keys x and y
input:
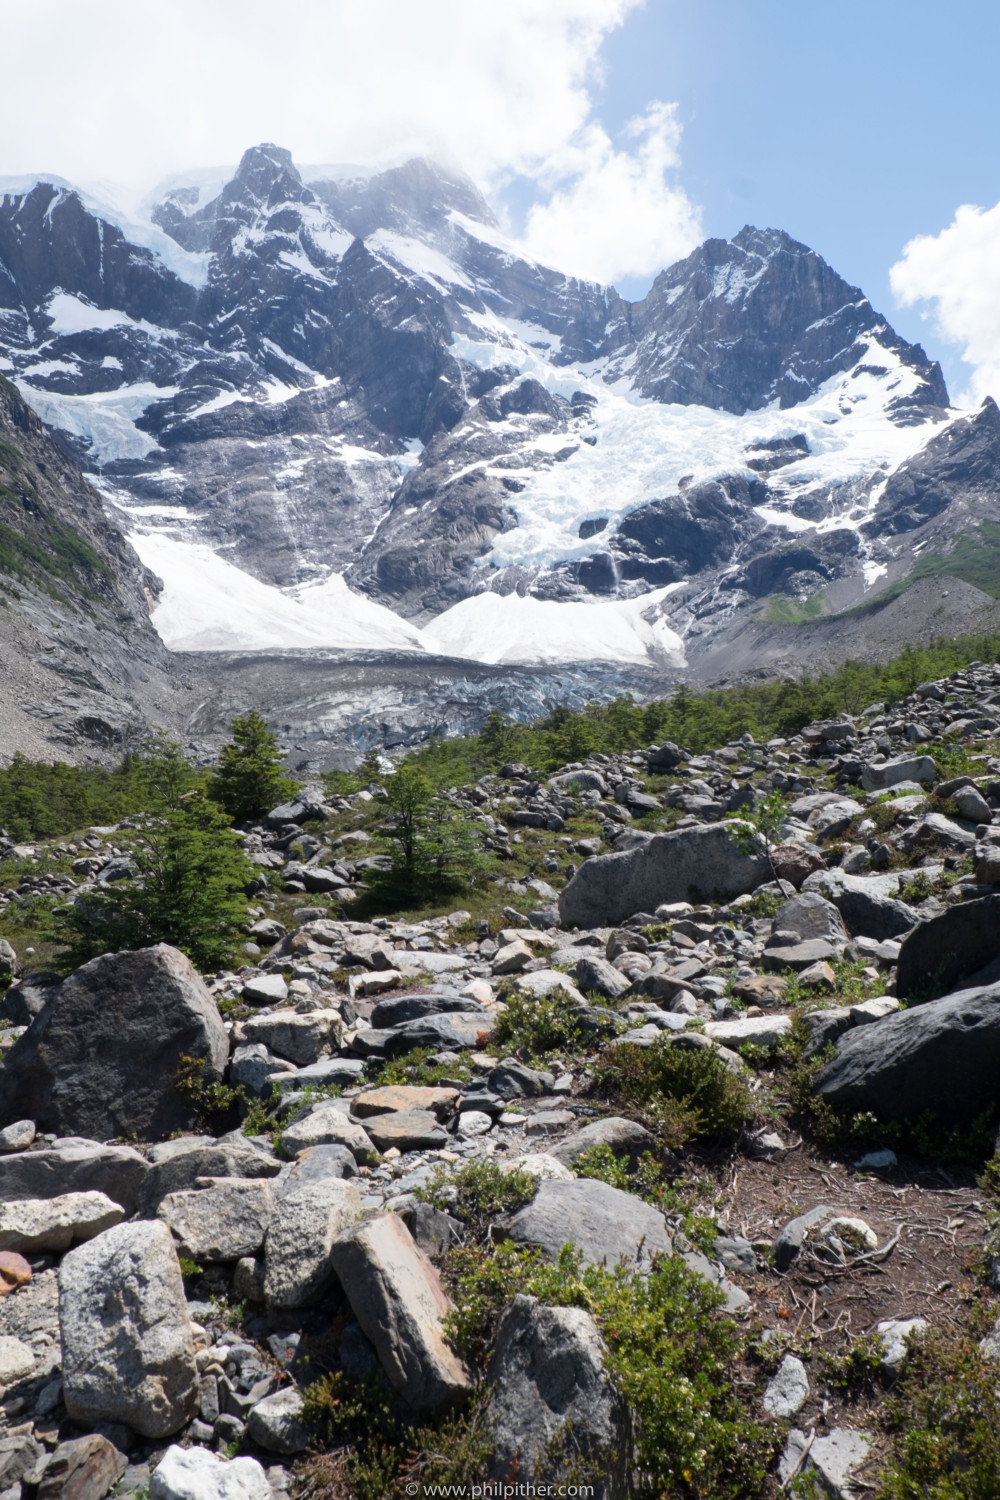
{"x": 342, "y": 409}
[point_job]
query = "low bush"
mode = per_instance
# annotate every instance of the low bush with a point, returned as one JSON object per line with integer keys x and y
{"x": 944, "y": 1422}
{"x": 540, "y": 1024}
{"x": 478, "y": 1192}
{"x": 686, "y": 1092}
{"x": 671, "y": 1352}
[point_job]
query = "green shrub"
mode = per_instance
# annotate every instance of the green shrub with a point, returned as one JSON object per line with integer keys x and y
{"x": 686, "y": 1091}
{"x": 671, "y": 1352}
{"x": 377, "y": 1453}
{"x": 540, "y": 1024}
{"x": 944, "y": 1420}
{"x": 479, "y": 1192}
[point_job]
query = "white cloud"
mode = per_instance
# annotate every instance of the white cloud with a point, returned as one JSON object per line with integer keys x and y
{"x": 958, "y": 272}
{"x": 131, "y": 90}
{"x": 619, "y": 214}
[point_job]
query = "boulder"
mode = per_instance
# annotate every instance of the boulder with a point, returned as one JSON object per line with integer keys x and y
{"x": 326, "y": 1125}
{"x": 104, "y": 1055}
{"x": 397, "y": 1298}
{"x": 30, "y": 1225}
{"x": 407, "y": 1130}
{"x": 810, "y": 915}
{"x": 938, "y": 955}
{"x": 878, "y": 778}
{"x": 943, "y": 1056}
{"x": 313, "y": 1166}
{"x": 300, "y": 1037}
{"x": 511, "y": 1079}
{"x": 224, "y": 1220}
{"x": 85, "y": 1468}
{"x": 552, "y": 1404}
{"x": 276, "y": 1423}
{"x": 196, "y": 1474}
{"x": 127, "y": 1342}
{"x": 624, "y": 1137}
{"x": 604, "y": 1223}
{"x": 600, "y": 978}
{"x": 182, "y": 1170}
{"x": 75, "y": 1166}
{"x": 441, "y": 1102}
{"x": 869, "y": 904}
{"x": 457, "y": 1031}
{"x": 396, "y": 1009}
{"x": 302, "y": 1231}
{"x": 705, "y": 859}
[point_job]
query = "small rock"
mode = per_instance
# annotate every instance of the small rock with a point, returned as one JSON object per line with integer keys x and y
{"x": 878, "y": 1161}
{"x": 266, "y": 989}
{"x": 409, "y": 1130}
{"x": 17, "y": 1137}
{"x": 788, "y": 1389}
{"x": 14, "y": 1271}
{"x": 829, "y": 1459}
{"x": 196, "y": 1474}
{"x": 276, "y": 1423}
{"x": 16, "y": 1360}
{"x": 894, "y": 1333}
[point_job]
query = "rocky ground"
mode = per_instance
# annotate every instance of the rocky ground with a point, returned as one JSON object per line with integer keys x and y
{"x": 219, "y": 1196}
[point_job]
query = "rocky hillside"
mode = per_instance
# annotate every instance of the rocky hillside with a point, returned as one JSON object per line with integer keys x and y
{"x": 346, "y": 412}
{"x": 84, "y": 668}
{"x": 728, "y": 1022}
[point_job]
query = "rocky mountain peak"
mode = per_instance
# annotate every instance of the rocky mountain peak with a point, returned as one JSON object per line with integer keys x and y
{"x": 741, "y": 323}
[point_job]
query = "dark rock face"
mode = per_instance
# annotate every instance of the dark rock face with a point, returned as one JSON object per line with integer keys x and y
{"x": 962, "y": 463}
{"x": 103, "y": 1057}
{"x": 759, "y": 318}
{"x": 83, "y": 665}
{"x": 942, "y": 1057}
{"x": 949, "y": 950}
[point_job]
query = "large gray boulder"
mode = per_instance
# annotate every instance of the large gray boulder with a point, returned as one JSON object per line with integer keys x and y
{"x": 224, "y": 1220}
{"x": 398, "y": 1299}
{"x": 553, "y": 1407}
{"x": 75, "y": 1166}
{"x": 300, "y": 1236}
{"x": 809, "y": 916}
{"x": 869, "y": 904}
{"x": 104, "y": 1055}
{"x": 181, "y": 1171}
{"x": 669, "y": 867}
{"x": 878, "y": 778}
{"x": 604, "y": 1223}
{"x": 127, "y": 1342}
{"x": 949, "y": 950}
{"x": 943, "y": 1056}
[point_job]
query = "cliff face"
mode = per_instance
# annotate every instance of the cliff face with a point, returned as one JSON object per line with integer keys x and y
{"x": 82, "y": 668}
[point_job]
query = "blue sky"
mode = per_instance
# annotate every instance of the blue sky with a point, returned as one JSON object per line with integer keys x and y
{"x": 853, "y": 126}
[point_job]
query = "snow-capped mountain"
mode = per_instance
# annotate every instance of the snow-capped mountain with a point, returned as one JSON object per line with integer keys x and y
{"x": 338, "y": 409}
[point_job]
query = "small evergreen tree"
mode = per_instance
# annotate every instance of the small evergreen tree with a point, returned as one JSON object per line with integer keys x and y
{"x": 190, "y": 876}
{"x": 249, "y": 777}
{"x": 434, "y": 845}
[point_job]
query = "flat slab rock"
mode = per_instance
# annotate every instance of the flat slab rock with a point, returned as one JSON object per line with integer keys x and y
{"x": 408, "y": 1130}
{"x": 604, "y": 1223}
{"x": 398, "y": 1299}
{"x": 400, "y": 1097}
{"x": 36, "y": 1224}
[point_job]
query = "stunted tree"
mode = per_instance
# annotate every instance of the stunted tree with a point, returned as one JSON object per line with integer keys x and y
{"x": 189, "y": 880}
{"x": 249, "y": 777}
